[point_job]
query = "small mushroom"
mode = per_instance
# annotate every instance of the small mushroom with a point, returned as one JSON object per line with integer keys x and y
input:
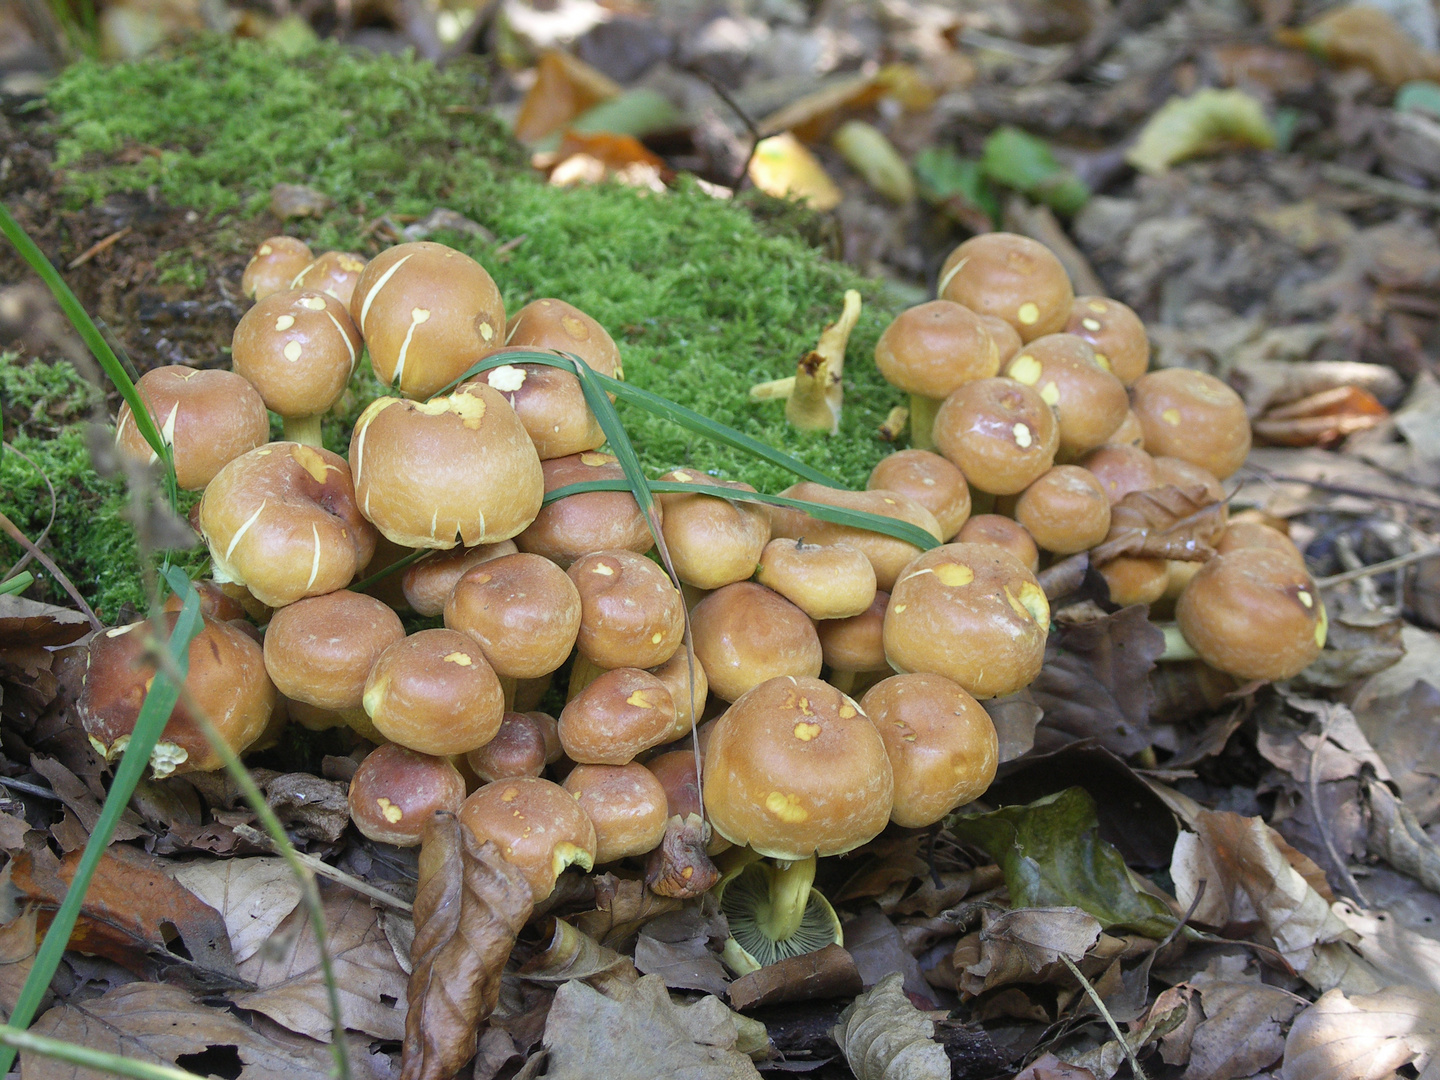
{"x": 1065, "y": 511}
{"x": 333, "y": 273}
{"x": 630, "y": 613}
{"x": 1133, "y": 580}
{"x": 1012, "y": 277}
{"x": 591, "y": 521}
{"x": 320, "y": 650}
{"x": 745, "y": 634}
{"x": 549, "y": 402}
{"x": 1182, "y": 474}
{"x": 1000, "y": 433}
{"x": 427, "y": 584}
{"x": 929, "y": 351}
{"x": 1006, "y": 337}
{"x": 395, "y": 792}
{"x": 1089, "y": 402}
{"x": 553, "y": 324}
{"x": 1130, "y": 433}
{"x": 1253, "y": 534}
{"x": 931, "y": 481}
{"x": 518, "y": 749}
{"x": 1191, "y": 415}
{"x": 274, "y": 265}
{"x": 1116, "y": 334}
{"x": 625, "y": 803}
{"x": 1004, "y": 533}
{"x": 1121, "y": 470}
{"x": 620, "y": 714}
{"x": 521, "y": 610}
{"x": 435, "y": 693}
{"x": 538, "y": 827}
{"x": 689, "y": 698}
{"x": 854, "y": 648}
{"x": 831, "y": 582}
{"x": 712, "y": 541}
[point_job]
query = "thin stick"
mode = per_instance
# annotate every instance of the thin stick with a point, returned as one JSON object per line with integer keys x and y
{"x": 1114, "y": 1027}
{"x": 745, "y": 118}
{"x": 1341, "y": 489}
{"x": 1376, "y": 185}
{"x": 325, "y": 870}
{"x": 1385, "y": 567}
{"x": 44, "y": 560}
{"x": 54, "y": 505}
{"x": 99, "y": 246}
{"x": 26, "y": 788}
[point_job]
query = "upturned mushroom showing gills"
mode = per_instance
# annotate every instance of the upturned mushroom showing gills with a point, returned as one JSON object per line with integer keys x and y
{"x": 453, "y": 470}
{"x": 795, "y": 771}
{"x": 538, "y": 827}
{"x": 282, "y": 521}
{"x": 226, "y": 679}
{"x": 929, "y": 351}
{"x": 1010, "y": 276}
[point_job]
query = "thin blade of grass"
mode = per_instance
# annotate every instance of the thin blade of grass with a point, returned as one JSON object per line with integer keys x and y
{"x": 154, "y": 714}
{"x": 396, "y": 566}
{"x": 838, "y": 515}
{"x": 13, "y": 1039}
{"x": 19, "y": 583}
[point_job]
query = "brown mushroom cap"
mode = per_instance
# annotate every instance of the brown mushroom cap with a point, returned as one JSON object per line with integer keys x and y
{"x": 521, "y": 610}
{"x": 1065, "y": 511}
{"x": 1089, "y": 402}
{"x": 1003, "y": 533}
{"x": 745, "y": 634}
{"x": 941, "y": 744}
{"x": 274, "y": 265}
{"x": 550, "y": 404}
{"x": 1116, "y": 334}
{"x": 795, "y": 768}
{"x": 931, "y": 481}
{"x": 434, "y": 692}
{"x": 1012, "y": 277}
{"x": 1254, "y": 614}
{"x": 1183, "y": 474}
{"x": 282, "y": 520}
{"x": 931, "y": 349}
{"x": 678, "y": 776}
{"x": 972, "y": 613}
{"x": 856, "y": 643}
{"x": 1136, "y": 580}
{"x": 215, "y": 603}
{"x": 226, "y": 679}
{"x": 630, "y": 613}
{"x": 427, "y": 312}
{"x": 620, "y": 714}
{"x": 625, "y": 803}
{"x": 591, "y": 521}
{"x": 518, "y": 749}
{"x": 554, "y": 324}
{"x": 538, "y": 827}
{"x": 831, "y": 582}
{"x": 1000, "y": 433}
{"x": 888, "y": 556}
{"x": 1252, "y": 534}
{"x": 428, "y": 583}
{"x": 395, "y": 792}
{"x": 1121, "y": 470}
{"x": 208, "y": 418}
{"x": 1194, "y": 416}
{"x": 299, "y": 349}
{"x": 453, "y": 470}
{"x": 712, "y": 541}
{"x": 675, "y": 674}
{"x": 1129, "y": 433}
{"x": 1006, "y": 337}
{"x": 320, "y": 650}
{"x": 333, "y": 273}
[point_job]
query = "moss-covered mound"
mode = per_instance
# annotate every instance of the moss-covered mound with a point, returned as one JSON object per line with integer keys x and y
{"x": 702, "y": 300}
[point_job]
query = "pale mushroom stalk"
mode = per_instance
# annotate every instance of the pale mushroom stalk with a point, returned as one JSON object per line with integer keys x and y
{"x": 1176, "y": 647}
{"x": 922, "y": 421}
{"x": 303, "y": 429}
{"x": 789, "y": 893}
{"x": 818, "y": 396}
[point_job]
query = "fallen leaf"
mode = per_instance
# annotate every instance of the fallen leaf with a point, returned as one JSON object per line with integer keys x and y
{"x": 1397, "y": 837}
{"x": 298, "y": 201}
{"x": 1405, "y": 957}
{"x": 781, "y": 166}
{"x": 1243, "y": 1029}
{"x": 1320, "y": 419}
{"x": 569, "y": 954}
{"x": 682, "y": 948}
{"x": 885, "y": 1037}
{"x": 1205, "y": 122}
{"x": 564, "y": 88}
{"x": 679, "y": 867}
{"x": 1015, "y": 158}
{"x": 1364, "y": 1037}
{"x": 1361, "y": 35}
{"x": 82, "y": 801}
{"x": 1040, "y": 936}
{"x": 875, "y": 944}
{"x": 291, "y": 986}
{"x": 1049, "y": 1067}
{"x": 877, "y": 161}
{"x": 622, "y": 907}
{"x": 635, "y": 1029}
{"x": 308, "y": 806}
{"x": 469, "y": 906}
{"x": 811, "y": 116}
{"x": 252, "y": 895}
{"x": 35, "y": 624}
{"x": 1015, "y": 717}
{"x": 1166, "y": 522}
{"x": 827, "y": 973}
{"x": 1404, "y": 729}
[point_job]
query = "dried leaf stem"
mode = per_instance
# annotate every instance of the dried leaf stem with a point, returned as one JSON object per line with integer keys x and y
{"x": 1397, "y": 563}
{"x": 323, "y": 869}
{"x": 1114, "y": 1027}
{"x": 11, "y": 530}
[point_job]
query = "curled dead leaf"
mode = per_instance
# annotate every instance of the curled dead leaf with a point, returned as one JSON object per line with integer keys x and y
{"x": 1365, "y": 1036}
{"x": 1163, "y": 523}
{"x": 569, "y": 954}
{"x": 679, "y": 868}
{"x": 884, "y": 1037}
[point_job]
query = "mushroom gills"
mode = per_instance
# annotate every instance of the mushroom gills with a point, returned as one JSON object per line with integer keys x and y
{"x": 773, "y": 912}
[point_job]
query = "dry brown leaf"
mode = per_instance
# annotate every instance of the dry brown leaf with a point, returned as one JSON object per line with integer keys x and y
{"x": 1163, "y": 523}
{"x": 1359, "y": 35}
{"x": 309, "y": 806}
{"x": 291, "y": 986}
{"x": 569, "y": 954}
{"x": 622, "y": 906}
{"x": 1050, "y": 1067}
{"x": 1017, "y": 946}
{"x": 35, "y": 624}
{"x": 679, "y": 867}
{"x": 1321, "y": 419}
{"x": 469, "y": 907}
{"x": 252, "y": 895}
{"x": 564, "y": 88}
{"x": 83, "y": 801}
{"x": 884, "y": 1037}
{"x": 827, "y": 973}
{"x": 1243, "y": 1029}
{"x": 1364, "y": 1037}
{"x": 1399, "y": 953}
{"x": 781, "y": 166}
{"x": 682, "y": 947}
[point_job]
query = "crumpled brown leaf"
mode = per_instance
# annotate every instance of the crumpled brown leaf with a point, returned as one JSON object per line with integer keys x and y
{"x": 1163, "y": 523}
{"x": 622, "y": 906}
{"x": 1361, "y": 35}
{"x": 884, "y": 1037}
{"x": 1404, "y": 956}
{"x": 469, "y": 907}
{"x": 1242, "y": 1031}
{"x": 252, "y": 895}
{"x": 1365, "y": 1036}
{"x": 569, "y": 954}
{"x": 682, "y": 947}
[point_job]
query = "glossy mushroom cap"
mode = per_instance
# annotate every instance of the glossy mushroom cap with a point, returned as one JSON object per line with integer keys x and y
{"x": 1012, "y": 277}
{"x": 1089, "y": 402}
{"x": 619, "y": 715}
{"x": 1004, "y": 533}
{"x": 972, "y": 613}
{"x": 434, "y": 692}
{"x": 941, "y": 743}
{"x": 856, "y": 643}
{"x": 831, "y": 582}
{"x": 554, "y": 324}
{"x": 1065, "y": 511}
{"x": 453, "y": 470}
{"x": 745, "y": 634}
{"x": 689, "y": 702}
{"x": 1182, "y": 474}
{"x": 1194, "y": 416}
{"x": 299, "y": 349}
{"x": 931, "y": 349}
{"x": 518, "y": 749}
{"x": 333, "y": 273}
{"x": 226, "y": 679}
{"x": 1116, "y": 334}
{"x": 677, "y": 775}
{"x": 626, "y": 804}
{"x": 1254, "y": 614}
{"x": 215, "y": 602}
{"x": 521, "y": 610}
{"x": 1130, "y": 433}
{"x": 888, "y": 556}
{"x": 1000, "y": 433}
{"x": 538, "y": 827}
{"x": 550, "y": 404}
{"x": 274, "y": 265}
{"x": 591, "y": 521}
{"x": 1252, "y": 534}
{"x": 630, "y": 613}
{"x": 426, "y": 312}
{"x": 282, "y": 520}
{"x": 712, "y": 541}
{"x": 427, "y": 584}
{"x": 395, "y": 792}
{"x": 931, "y": 481}
{"x": 1006, "y": 337}
{"x": 209, "y": 418}
{"x": 1135, "y": 580}
{"x": 1121, "y": 470}
{"x": 320, "y": 650}
{"x": 794, "y": 768}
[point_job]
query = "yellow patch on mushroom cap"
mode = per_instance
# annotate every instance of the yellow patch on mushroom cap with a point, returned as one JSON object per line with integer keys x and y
{"x": 284, "y": 322}
{"x": 313, "y": 303}
{"x": 507, "y": 378}
{"x": 1026, "y": 369}
{"x": 1023, "y": 438}
{"x": 1171, "y": 417}
{"x": 805, "y": 732}
{"x": 1028, "y": 313}
{"x": 1090, "y": 324}
{"x": 954, "y": 574}
{"x": 640, "y": 700}
{"x": 389, "y": 810}
{"x": 309, "y": 459}
{"x": 1030, "y": 603}
{"x": 1050, "y": 393}
{"x": 458, "y": 658}
{"x": 786, "y": 807}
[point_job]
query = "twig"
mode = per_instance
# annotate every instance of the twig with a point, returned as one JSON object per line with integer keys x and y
{"x": 99, "y": 246}
{"x": 1313, "y": 781}
{"x": 1377, "y": 568}
{"x": 54, "y": 505}
{"x": 1114, "y": 1027}
{"x": 745, "y": 118}
{"x": 27, "y": 788}
{"x": 325, "y": 870}
{"x": 44, "y": 560}
{"x": 1341, "y": 489}
{"x": 1379, "y": 186}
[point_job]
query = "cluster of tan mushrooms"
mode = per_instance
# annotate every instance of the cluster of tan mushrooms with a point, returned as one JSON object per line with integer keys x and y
{"x": 1008, "y": 372}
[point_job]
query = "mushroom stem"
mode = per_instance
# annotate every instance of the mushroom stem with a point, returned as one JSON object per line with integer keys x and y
{"x": 774, "y": 390}
{"x": 844, "y": 681}
{"x": 303, "y": 429}
{"x": 789, "y": 893}
{"x": 1176, "y": 647}
{"x": 582, "y": 674}
{"x": 922, "y": 420}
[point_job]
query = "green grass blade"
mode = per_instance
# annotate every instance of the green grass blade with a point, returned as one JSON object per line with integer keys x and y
{"x": 839, "y": 515}
{"x": 19, "y": 583}
{"x": 154, "y": 713}
{"x": 395, "y": 567}
{"x": 13, "y": 1039}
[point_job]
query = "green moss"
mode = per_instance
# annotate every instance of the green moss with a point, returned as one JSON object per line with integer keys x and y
{"x": 37, "y": 397}
{"x": 177, "y": 268}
